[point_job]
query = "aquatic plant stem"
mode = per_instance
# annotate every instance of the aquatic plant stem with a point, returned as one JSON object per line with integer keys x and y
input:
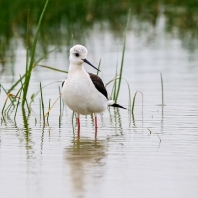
{"x": 133, "y": 103}
{"x": 31, "y": 64}
{"x": 98, "y": 67}
{"x": 48, "y": 113}
{"x": 122, "y": 60}
{"x": 52, "y": 106}
{"x": 162, "y": 86}
{"x": 42, "y": 103}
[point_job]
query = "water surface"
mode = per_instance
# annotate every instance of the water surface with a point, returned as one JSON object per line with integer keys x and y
{"x": 125, "y": 159}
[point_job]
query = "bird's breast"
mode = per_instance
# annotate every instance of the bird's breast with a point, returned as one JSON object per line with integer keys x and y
{"x": 80, "y": 95}
{"x": 76, "y": 88}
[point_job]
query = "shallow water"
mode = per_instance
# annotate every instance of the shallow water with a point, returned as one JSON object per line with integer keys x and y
{"x": 125, "y": 159}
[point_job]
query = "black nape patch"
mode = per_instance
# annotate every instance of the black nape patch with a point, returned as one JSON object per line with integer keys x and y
{"x": 63, "y": 83}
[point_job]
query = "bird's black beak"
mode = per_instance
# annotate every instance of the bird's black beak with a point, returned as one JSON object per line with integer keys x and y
{"x": 86, "y": 61}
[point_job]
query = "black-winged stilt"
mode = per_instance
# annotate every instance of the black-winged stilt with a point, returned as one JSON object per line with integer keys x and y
{"x": 84, "y": 92}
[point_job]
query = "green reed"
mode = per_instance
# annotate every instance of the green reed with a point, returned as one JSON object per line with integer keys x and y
{"x": 98, "y": 67}
{"x": 8, "y": 108}
{"x": 29, "y": 67}
{"x": 52, "y": 68}
{"x": 49, "y": 112}
{"x": 27, "y": 50}
{"x": 113, "y": 93}
{"x": 31, "y": 64}
{"x": 162, "y": 87}
{"x": 133, "y": 103}
{"x": 117, "y": 90}
{"x": 22, "y": 84}
{"x": 17, "y": 104}
{"x": 36, "y": 64}
{"x": 33, "y": 96}
{"x": 21, "y": 79}
{"x": 8, "y": 97}
{"x": 60, "y": 101}
{"x": 42, "y": 103}
{"x": 40, "y": 109}
{"x": 73, "y": 118}
{"x": 16, "y": 83}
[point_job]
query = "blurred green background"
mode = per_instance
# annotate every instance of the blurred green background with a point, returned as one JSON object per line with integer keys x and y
{"x": 67, "y": 21}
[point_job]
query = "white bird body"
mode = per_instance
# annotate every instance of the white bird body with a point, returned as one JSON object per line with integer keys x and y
{"x": 83, "y": 92}
{"x": 80, "y": 94}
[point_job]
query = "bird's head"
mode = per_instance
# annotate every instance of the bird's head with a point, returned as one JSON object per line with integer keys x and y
{"x": 78, "y": 55}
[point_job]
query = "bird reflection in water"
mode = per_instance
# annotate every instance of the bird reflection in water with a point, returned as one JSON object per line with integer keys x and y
{"x": 86, "y": 160}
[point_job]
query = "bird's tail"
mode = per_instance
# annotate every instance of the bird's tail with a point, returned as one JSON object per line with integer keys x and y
{"x": 113, "y": 104}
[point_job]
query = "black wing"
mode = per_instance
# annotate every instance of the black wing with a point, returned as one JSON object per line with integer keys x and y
{"x": 97, "y": 81}
{"x": 63, "y": 82}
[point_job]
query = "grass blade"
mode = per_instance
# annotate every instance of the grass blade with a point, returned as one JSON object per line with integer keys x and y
{"x": 35, "y": 64}
{"x": 17, "y": 104}
{"x": 8, "y": 97}
{"x": 52, "y": 106}
{"x": 52, "y": 68}
{"x": 60, "y": 100}
{"x": 16, "y": 83}
{"x": 35, "y": 94}
{"x": 48, "y": 113}
{"x": 44, "y": 56}
{"x": 162, "y": 86}
{"x": 122, "y": 60}
{"x": 31, "y": 64}
{"x": 98, "y": 67}
{"x": 27, "y": 51}
{"x": 42, "y": 103}
{"x": 115, "y": 83}
{"x": 133, "y": 104}
{"x": 22, "y": 84}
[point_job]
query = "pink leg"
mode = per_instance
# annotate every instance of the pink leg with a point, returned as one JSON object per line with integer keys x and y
{"x": 78, "y": 123}
{"x": 96, "y": 125}
{"x": 96, "y": 121}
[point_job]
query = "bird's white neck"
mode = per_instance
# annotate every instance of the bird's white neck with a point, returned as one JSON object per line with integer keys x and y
{"x": 73, "y": 68}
